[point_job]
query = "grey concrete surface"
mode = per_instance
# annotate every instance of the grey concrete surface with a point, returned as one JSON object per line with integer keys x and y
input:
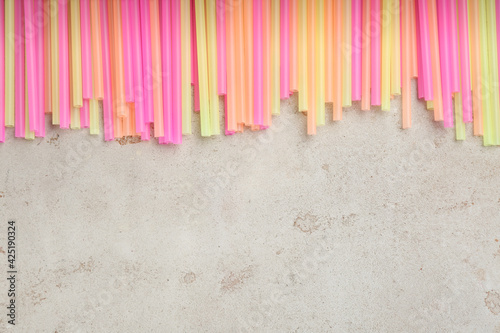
{"x": 362, "y": 228}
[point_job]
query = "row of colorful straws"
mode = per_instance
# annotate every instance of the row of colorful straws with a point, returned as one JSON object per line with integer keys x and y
{"x": 142, "y": 58}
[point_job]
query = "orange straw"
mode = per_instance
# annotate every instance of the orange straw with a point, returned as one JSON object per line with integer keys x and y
{"x": 337, "y": 44}
{"x": 329, "y": 51}
{"x": 477, "y": 103}
{"x": 436, "y": 63}
{"x": 154, "y": 10}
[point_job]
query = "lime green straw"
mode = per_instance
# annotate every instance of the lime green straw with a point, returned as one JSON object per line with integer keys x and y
{"x": 386, "y": 57}
{"x": 485, "y": 75}
{"x": 493, "y": 62}
{"x": 347, "y": 57}
{"x": 186, "y": 67}
{"x": 396, "y": 50}
{"x": 212, "y": 66}
{"x": 430, "y": 105}
{"x": 94, "y": 116}
{"x": 201, "y": 42}
{"x": 9, "y": 63}
{"x": 459, "y": 120}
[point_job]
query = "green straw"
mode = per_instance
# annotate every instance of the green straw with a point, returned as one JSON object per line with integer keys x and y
{"x": 459, "y": 120}
{"x": 493, "y": 64}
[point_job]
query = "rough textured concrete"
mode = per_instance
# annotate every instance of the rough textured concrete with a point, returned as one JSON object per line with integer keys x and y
{"x": 362, "y": 228}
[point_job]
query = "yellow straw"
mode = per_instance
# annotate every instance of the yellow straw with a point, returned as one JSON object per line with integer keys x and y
{"x": 28, "y": 135}
{"x": 275, "y": 46}
{"x": 386, "y": 57}
{"x": 347, "y": 59}
{"x": 430, "y": 105}
{"x": 94, "y": 116}
{"x": 76, "y": 52}
{"x": 54, "y": 58}
{"x": 201, "y": 41}
{"x": 459, "y": 120}
{"x": 396, "y": 50}
{"x": 9, "y": 63}
{"x": 186, "y": 66}
{"x": 302, "y": 55}
{"x": 485, "y": 75}
{"x": 320, "y": 63}
{"x": 493, "y": 58}
{"x": 212, "y": 66}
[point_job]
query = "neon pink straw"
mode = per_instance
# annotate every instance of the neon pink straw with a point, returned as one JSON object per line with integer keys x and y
{"x": 376, "y": 62}
{"x": 284, "y": 49}
{"x": 147, "y": 62}
{"x": 86, "y": 62}
{"x": 2, "y": 71}
{"x": 221, "y": 48}
{"x": 39, "y": 20}
{"x": 136, "y": 59}
{"x": 31, "y": 32}
{"x": 420, "y": 78}
{"x": 166, "y": 52}
{"x": 357, "y": 43}
{"x": 425, "y": 50}
{"x": 107, "y": 103}
{"x": 464, "y": 58}
{"x": 258, "y": 61}
{"x": 176, "y": 73}
{"x": 19, "y": 93}
{"x": 454, "y": 67}
{"x": 64, "y": 104}
{"x": 127, "y": 52}
{"x": 444, "y": 48}
{"x": 194, "y": 60}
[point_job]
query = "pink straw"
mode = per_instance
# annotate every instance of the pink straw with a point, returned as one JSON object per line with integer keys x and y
{"x": 147, "y": 62}
{"x": 176, "y": 73}
{"x": 107, "y": 103}
{"x": 194, "y": 60}
{"x": 425, "y": 47}
{"x": 357, "y": 46}
{"x": 127, "y": 52}
{"x": 166, "y": 52}
{"x": 136, "y": 59}
{"x": 446, "y": 61}
{"x": 464, "y": 58}
{"x": 221, "y": 47}
{"x": 375, "y": 42}
{"x": 39, "y": 20}
{"x": 31, "y": 32}
{"x": 258, "y": 61}
{"x": 284, "y": 50}
{"x": 420, "y": 78}
{"x": 64, "y": 104}
{"x": 454, "y": 67}
{"x": 2, "y": 71}
{"x": 86, "y": 62}
{"x": 19, "y": 93}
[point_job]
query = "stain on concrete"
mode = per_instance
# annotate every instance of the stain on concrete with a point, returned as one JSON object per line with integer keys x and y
{"x": 1, "y": 250}
{"x": 492, "y": 301}
{"x": 128, "y": 140}
{"x": 54, "y": 140}
{"x": 189, "y": 278}
{"x": 235, "y": 280}
{"x": 307, "y": 223}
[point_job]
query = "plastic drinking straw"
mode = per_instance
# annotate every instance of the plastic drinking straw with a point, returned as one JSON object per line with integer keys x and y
{"x": 284, "y": 49}
{"x": 423, "y": 29}
{"x": 406, "y": 62}
{"x": 46, "y": 57}
{"x": 453, "y": 40}
{"x": 136, "y": 59}
{"x": 275, "y": 52}
{"x": 338, "y": 54}
{"x": 75, "y": 112}
{"x": 485, "y": 75}
{"x": 477, "y": 103}
{"x": 329, "y": 52}
{"x": 117, "y": 121}
{"x": 96, "y": 46}
{"x": 19, "y": 70}
{"x": 31, "y": 62}
{"x": 395, "y": 49}
{"x": 54, "y": 60}
{"x": 10, "y": 40}
{"x": 127, "y": 52}
{"x": 211, "y": 14}
{"x": 266, "y": 63}
{"x": 28, "y": 134}
{"x": 157, "y": 69}
{"x": 497, "y": 16}
{"x": 459, "y": 123}
{"x": 239, "y": 58}
{"x": 230, "y": 105}
{"x": 2, "y": 71}
{"x": 258, "y": 79}
{"x": 186, "y": 63}
{"x": 202, "y": 67}
{"x": 221, "y": 47}
{"x": 375, "y": 50}
{"x": 311, "y": 37}
{"x": 463, "y": 27}
{"x": 166, "y": 53}
{"x": 76, "y": 61}
{"x": 86, "y": 62}
{"x": 357, "y": 48}
{"x": 94, "y": 116}
{"x": 414, "y": 65}
{"x": 147, "y": 66}
{"x": 493, "y": 65}
{"x": 107, "y": 103}
{"x": 444, "y": 48}
{"x": 248, "y": 63}
{"x": 302, "y": 55}
{"x": 320, "y": 62}
{"x": 39, "y": 21}
{"x": 293, "y": 22}
{"x": 365, "y": 72}
{"x": 346, "y": 53}
{"x": 435, "y": 59}
{"x": 118, "y": 84}
{"x": 420, "y": 79}
{"x": 386, "y": 57}
{"x": 194, "y": 59}
{"x": 177, "y": 71}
